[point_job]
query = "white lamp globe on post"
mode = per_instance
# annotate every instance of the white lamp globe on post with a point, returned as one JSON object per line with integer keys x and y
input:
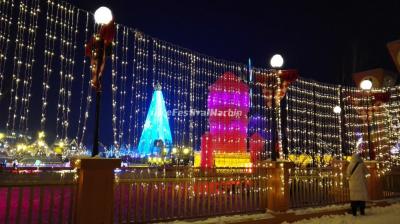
{"x": 366, "y": 84}
{"x": 103, "y": 15}
{"x": 276, "y": 61}
{"x": 337, "y": 109}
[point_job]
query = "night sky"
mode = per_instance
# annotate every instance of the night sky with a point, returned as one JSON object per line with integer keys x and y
{"x": 325, "y": 41}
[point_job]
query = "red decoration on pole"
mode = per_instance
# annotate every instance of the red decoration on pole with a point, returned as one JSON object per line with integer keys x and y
{"x": 98, "y": 48}
{"x": 287, "y": 77}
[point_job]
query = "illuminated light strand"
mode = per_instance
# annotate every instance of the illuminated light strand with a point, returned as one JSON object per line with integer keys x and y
{"x": 144, "y": 66}
{"x": 26, "y": 71}
{"x": 114, "y": 86}
{"x": 68, "y": 77}
{"x": 50, "y": 37}
{"x": 138, "y": 83}
{"x": 131, "y": 127}
{"x": 66, "y": 42}
{"x": 84, "y": 63}
{"x": 72, "y": 45}
{"x": 61, "y": 89}
{"x": 17, "y": 64}
{"x": 6, "y": 15}
{"x": 35, "y": 10}
{"x": 122, "y": 87}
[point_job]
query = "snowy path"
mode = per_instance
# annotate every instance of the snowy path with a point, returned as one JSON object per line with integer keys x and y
{"x": 374, "y": 215}
{"x": 384, "y": 211}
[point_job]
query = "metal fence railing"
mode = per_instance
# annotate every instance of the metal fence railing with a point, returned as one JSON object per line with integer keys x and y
{"x": 151, "y": 194}
{"x": 315, "y": 187}
{"x": 154, "y": 194}
{"x": 391, "y": 184}
{"x": 47, "y": 197}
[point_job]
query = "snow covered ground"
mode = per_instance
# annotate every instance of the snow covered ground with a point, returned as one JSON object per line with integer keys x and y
{"x": 326, "y": 208}
{"x": 225, "y": 219}
{"x": 374, "y": 215}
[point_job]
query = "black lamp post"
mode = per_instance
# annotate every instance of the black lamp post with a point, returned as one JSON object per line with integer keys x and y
{"x": 98, "y": 48}
{"x": 366, "y": 85}
{"x": 276, "y": 63}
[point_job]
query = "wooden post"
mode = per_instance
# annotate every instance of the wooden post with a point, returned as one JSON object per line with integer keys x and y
{"x": 375, "y": 189}
{"x": 278, "y": 185}
{"x": 95, "y": 197}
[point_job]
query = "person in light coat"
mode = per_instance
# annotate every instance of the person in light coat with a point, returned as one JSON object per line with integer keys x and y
{"x": 357, "y": 172}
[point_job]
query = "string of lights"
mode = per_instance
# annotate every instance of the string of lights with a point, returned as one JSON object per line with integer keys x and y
{"x": 6, "y": 15}
{"x": 72, "y": 44}
{"x": 82, "y": 94}
{"x": 52, "y": 16}
{"x": 131, "y": 131}
{"x": 18, "y": 63}
{"x": 114, "y": 86}
{"x": 30, "y": 60}
{"x": 122, "y": 84}
{"x": 61, "y": 94}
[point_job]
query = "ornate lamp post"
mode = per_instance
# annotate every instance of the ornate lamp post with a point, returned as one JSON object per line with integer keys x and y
{"x": 276, "y": 63}
{"x": 98, "y": 48}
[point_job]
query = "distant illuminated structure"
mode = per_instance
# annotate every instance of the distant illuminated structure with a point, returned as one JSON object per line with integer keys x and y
{"x": 156, "y": 127}
{"x": 229, "y": 102}
{"x": 226, "y": 142}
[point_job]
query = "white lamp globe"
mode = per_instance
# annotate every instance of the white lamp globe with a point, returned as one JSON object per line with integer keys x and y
{"x": 276, "y": 61}
{"x": 337, "y": 109}
{"x": 103, "y": 15}
{"x": 366, "y": 84}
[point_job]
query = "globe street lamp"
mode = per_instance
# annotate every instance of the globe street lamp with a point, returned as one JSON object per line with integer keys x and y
{"x": 98, "y": 48}
{"x": 337, "y": 109}
{"x": 366, "y": 84}
{"x": 276, "y": 63}
{"x": 103, "y": 15}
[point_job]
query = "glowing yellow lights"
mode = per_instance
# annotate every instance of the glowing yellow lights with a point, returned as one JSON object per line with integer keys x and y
{"x": 174, "y": 150}
{"x": 366, "y": 84}
{"x": 226, "y": 160}
{"x": 197, "y": 159}
{"x": 337, "y": 109}
{"x": 59, "y": 147}
{"x": 77, "y": 162}
{"x": 21, "y": 147}
{"x": 41, "y": 134}
{"x": 2, "y": 136}
{"x": 41, "y": 143}
{"x": 232, "y": 160}
{"x": 186, "y": 151}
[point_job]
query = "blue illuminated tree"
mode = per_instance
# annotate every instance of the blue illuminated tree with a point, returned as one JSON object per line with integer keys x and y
{"x": 156, "y": 126}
